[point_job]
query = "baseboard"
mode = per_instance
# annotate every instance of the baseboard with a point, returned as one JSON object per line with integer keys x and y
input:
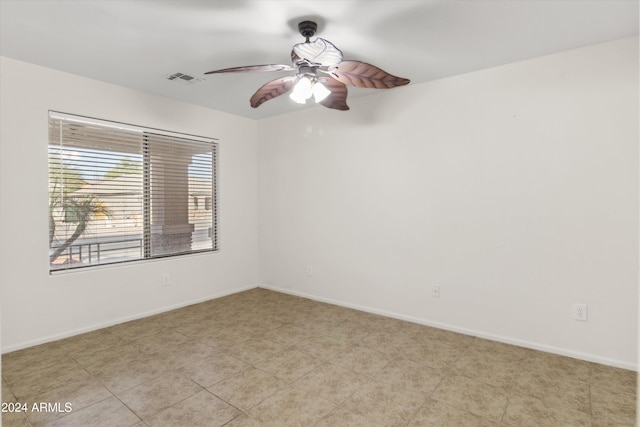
{"x": 420, "y": 321}
{"x": 476, "y": 333}
{"x": 119, "y": 320}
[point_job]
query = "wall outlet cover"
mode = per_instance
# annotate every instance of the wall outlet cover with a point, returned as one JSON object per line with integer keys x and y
{"x": 580, "y": 312}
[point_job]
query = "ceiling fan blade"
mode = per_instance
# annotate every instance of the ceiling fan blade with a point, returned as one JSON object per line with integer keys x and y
{"x": 272, "y": 89}
{"x": 365, "y": 75}
{"x": 337, "y": 99}
{"x": 249, "y": 68}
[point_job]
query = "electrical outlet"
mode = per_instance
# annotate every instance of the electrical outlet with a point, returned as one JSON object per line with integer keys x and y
{"x": 435, "y": 291}
{"x": 580, "y": 312}
{"x": 309, "y": 270}
{"x": 166, "y": 280}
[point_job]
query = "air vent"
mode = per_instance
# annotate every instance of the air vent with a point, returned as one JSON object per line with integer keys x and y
{"x": 183, "y": 78}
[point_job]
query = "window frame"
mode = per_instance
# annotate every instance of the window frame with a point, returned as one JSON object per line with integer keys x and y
{"x": 182, "y": 140}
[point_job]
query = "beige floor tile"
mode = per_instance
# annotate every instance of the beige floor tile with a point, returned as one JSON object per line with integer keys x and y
{"x": 388, "y": 404}
{"x": 173, "y": 346}
{"x": 438, "y": 414}
{"x": 247, "y": 388}
{"x": 480, "y": 399}
{"x": 258, "y": 324}
{"x": 245, "y": 421}
{"x": 547, "y": 385}
{"x": 136, "y": 329}
{"x": 483, "y": 367}
{"x": 30, "y": 359}
{"x": 38, "y": 354}
{"x": 388, "y": 342}
{"x": 210, "y": 370}
{"x": 332, "y": 382}
{"x": 181, "y": 355}
{"x": 291, "y": 406}
{"x": 15, "y": 419}
{"x": 288, "y": 335}
{"x": 616, "y": 380}
{"x": 498, "y": 350}
{"x": 559, "y": 367}
{"x": 361, "y": 359}
{"x": 349, "y": 334}
{"x": 289, "y": 365}
{"x": 218, "y": 339}
{"x": 167, "y": 339}
{"x": 7, "y": 395}
{"x": 149, "y": 398}
{"x": 382, "y": 323}
{"x": 200, "y": 410}
{"x": 250, "y": 324}
{"x": 446, "y": 338}
{"x": 120, "y": 354}
{"x": 101, "y": 340}
{"x": 340, "y": 416}
{"x": 181, "y": 317}
{"x": 614, "y": 421}
{"x": 610, "y": 408}
{"x": 120, "y": 375}
{"x": 122, "y": 350}
{"x": 435, "y": 354}
{"x": 107, "y": 413}
{"x": 346, "y": 332}
{"x": 36, "y": 381}
{"x": 322, "y": 347}
{"x": 527, "y": 411}
{"x": 403, "y": 374}
{"x": 79, "y": 394}
{"x": 218, "y": 317}
{"x": 255, "y": 350}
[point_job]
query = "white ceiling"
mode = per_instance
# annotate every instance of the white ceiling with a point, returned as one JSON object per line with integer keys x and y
{"x": 137, "y": 43}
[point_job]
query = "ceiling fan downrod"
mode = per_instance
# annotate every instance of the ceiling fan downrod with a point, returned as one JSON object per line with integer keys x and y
{"x": 307, "y": 29}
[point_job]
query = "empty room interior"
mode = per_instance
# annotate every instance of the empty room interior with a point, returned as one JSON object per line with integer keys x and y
{"x": 331, "y": 213}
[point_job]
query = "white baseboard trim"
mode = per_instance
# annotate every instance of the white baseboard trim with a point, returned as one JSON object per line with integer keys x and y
{"x": 420, "y": 321}
{"x": 475, "y": 333}
{"x": 119, "y": 320}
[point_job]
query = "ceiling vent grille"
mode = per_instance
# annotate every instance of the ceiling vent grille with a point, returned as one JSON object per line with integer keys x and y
{"x": 183, "y": 78}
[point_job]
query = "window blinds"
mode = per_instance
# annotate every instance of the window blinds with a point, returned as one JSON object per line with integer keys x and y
{"x": 121, "y": 193}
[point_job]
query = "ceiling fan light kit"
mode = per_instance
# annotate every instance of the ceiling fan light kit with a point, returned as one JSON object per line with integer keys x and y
{"x": 306, "y": 88}
{"x": 321, "y": 73}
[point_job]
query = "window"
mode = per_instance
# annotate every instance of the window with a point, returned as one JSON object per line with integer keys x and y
{"x": 121, "y": 193}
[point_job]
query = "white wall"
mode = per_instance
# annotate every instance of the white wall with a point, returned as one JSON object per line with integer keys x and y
{"x": 37, "y": 307}
{"x": 514, "y": 188}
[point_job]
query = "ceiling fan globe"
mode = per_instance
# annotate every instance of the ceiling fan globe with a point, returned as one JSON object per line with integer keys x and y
{"x": 320, "y": 92}
{"x": 302, "y": 91}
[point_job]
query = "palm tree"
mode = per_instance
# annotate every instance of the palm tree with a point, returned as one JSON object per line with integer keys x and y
{"x": 123, "y": 167}
{"x": 73, "y": 207}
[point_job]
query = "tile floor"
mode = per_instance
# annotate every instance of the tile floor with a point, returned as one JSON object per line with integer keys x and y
{"x": 262, "y": 358}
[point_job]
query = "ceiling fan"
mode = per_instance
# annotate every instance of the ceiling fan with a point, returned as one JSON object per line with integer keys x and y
{"x": 320, "y": 73}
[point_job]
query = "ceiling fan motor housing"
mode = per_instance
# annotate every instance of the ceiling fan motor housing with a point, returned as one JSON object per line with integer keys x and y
{"x": 307, "y": 29}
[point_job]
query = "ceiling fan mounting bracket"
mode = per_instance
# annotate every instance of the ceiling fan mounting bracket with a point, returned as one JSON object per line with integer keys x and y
{"x": 307, "y": 29}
